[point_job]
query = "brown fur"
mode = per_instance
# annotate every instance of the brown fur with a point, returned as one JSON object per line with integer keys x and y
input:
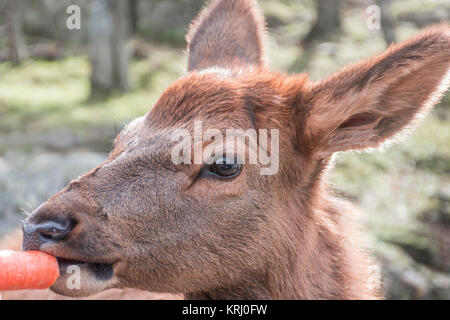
{"x": 240, "y": 44}
{"x": 284, "y": 236}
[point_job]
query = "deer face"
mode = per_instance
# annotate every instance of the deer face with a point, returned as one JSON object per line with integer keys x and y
{"x": 143, "y": 220}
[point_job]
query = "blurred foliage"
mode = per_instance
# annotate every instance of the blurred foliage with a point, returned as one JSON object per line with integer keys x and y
{"x": 42, "y": 95}
{"x": 404, "y": 192}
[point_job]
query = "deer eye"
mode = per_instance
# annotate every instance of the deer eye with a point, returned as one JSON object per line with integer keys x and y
{"x": 226, "y": 168}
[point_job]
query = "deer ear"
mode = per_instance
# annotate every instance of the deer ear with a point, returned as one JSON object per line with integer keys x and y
{"x": 228, "y": 34}
{"x": 368, "y": 103}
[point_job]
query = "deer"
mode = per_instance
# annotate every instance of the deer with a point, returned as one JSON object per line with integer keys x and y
{"x": 222, "y": 230}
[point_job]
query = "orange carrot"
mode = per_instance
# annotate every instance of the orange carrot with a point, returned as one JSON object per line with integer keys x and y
{"x": 27, "y": 270}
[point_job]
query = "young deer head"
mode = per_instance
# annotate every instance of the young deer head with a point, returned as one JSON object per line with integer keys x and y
{"x": 221, "y": 229}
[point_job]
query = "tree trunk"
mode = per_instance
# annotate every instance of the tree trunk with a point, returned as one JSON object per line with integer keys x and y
{"x": 120, "y": 52}
{"x": 14, "y": 18}
{"x": 387, "y": 21}
{"x": 328, "y": 22}
{"x": 134, "y": 15}
{"x": 108, "y": 34}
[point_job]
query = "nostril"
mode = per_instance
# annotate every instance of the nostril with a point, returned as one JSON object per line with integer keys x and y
{"x": 37, "y": 234}
{"x": 54, "y": 230}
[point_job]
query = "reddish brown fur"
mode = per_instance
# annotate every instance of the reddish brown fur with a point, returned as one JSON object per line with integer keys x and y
{"x": 284, "y": 236}
{"x": 240, "y": 44}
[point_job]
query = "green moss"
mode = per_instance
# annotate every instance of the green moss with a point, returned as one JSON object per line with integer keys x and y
{"x": 407, "y": 6}
{"x": 44, "y": 95}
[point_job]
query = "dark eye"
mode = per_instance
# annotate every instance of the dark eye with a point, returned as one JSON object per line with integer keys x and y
{"x": 225, "y": 168}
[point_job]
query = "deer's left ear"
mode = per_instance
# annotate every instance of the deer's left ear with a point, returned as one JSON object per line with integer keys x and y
{"x": 228, "y": 34}
{"x": 364, "y": 105}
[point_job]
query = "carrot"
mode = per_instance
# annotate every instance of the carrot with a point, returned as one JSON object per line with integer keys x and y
{"x": 27, "y": 270}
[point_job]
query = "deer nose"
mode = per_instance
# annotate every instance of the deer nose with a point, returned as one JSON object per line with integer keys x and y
{"x": 36, "y": 235}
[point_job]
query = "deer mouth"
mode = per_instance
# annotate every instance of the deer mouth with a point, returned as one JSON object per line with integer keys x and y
{"x": 101, "y": 270}
{"x": 83, "y": 278}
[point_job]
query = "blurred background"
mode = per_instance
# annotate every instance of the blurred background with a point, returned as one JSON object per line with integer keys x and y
{"x": 71, "y": 76}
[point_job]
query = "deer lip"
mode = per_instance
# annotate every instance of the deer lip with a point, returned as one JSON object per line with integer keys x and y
{"x": 101, "y": 270}
{"x": 63, "y": 262}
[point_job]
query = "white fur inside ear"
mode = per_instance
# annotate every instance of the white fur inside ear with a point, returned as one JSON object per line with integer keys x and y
{"x": 440, "y": 91}
{"x": 427, "y": 105}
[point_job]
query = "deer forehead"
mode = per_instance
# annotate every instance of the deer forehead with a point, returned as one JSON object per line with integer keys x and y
{"x": 213, "y": 98}
{"x": 208, "y": 96}
{"x": 143, "y": 139}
